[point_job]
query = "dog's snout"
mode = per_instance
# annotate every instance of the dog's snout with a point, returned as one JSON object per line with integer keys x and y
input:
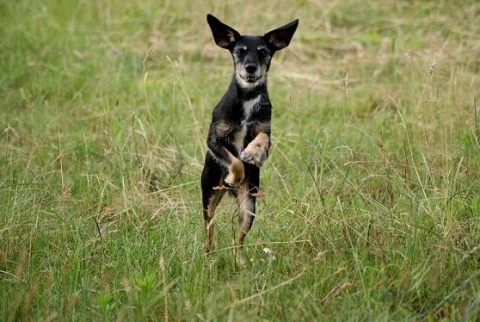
{"x": 251, "y": 68}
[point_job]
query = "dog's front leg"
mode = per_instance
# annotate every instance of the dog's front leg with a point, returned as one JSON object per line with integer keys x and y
{"x": 256, "y": 151}
{"x": 216, "y": 145}
{"x": 236, "y": 171}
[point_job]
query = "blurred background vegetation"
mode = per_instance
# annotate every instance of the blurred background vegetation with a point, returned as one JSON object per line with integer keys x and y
{"x": 371, "y": 192}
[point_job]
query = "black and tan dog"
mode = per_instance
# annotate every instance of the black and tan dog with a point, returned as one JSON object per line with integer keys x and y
{"x": 239, "y": 136}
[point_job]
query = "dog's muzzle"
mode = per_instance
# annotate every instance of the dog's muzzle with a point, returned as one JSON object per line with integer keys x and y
{"x": 251, "y": 73}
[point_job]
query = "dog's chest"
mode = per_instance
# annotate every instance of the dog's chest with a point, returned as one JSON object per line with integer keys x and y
{"x": 248, "y": 108}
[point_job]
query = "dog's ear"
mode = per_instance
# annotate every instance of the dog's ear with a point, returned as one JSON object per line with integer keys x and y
{"x": 224, "y": 36}
{"x": 280, "y": 37}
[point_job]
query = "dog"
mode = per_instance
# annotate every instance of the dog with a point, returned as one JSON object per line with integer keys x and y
{"x": 239, "y": 136}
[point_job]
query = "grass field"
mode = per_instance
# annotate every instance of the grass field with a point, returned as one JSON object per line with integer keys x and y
{"x": 371, "y": 195}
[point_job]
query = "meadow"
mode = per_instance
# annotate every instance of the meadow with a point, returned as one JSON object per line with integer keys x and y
{"x": 370, "y": 199}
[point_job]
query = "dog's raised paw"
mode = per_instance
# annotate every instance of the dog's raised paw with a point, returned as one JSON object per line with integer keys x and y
{"x": 254, "y": 154}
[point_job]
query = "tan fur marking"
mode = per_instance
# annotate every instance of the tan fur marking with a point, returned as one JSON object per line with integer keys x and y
{"x": 262, "y": 139}
{"x": 261, "y": 127}
{"x": 236, "y": 171}
{"x": 256, "y": 151}
{"x": 245, "y": 212}
{"x": 223, "y": 128}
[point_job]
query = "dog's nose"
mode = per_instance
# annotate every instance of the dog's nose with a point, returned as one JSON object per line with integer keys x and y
{"x": 251, "y": 68}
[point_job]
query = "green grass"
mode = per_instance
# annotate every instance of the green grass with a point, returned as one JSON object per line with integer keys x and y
{"x": 371, "y": 193}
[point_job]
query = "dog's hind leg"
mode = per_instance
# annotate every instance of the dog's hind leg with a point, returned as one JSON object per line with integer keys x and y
{"x": 246, "y": 197}
{"x": 211, "y": 178}
{"x": 208, "y": 215}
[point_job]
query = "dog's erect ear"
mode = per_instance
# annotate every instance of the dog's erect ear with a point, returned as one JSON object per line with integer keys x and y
{"x": 224, "y": 36}
{"x": 280, "y": 37}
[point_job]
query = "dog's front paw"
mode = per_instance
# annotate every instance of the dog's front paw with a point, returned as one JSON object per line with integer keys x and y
{"x": 236, "y": 173}
{"x": 254, "y": 154}
{"x": 256, "y": 151}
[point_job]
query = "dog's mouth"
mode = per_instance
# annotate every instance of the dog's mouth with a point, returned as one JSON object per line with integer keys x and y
{"x": 250, "y": 80}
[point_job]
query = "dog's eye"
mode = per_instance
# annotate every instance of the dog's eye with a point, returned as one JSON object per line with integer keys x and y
{"x": 241, "y": 51}
{"x": 262, "y": 52}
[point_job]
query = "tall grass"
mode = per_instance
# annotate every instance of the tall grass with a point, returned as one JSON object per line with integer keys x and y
{"x": 370, "y": 197}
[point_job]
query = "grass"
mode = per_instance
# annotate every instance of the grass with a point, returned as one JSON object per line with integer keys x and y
{"x": 371, "y": 194}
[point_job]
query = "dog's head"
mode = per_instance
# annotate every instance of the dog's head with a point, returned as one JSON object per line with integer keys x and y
{"x": 251, "y": 54}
